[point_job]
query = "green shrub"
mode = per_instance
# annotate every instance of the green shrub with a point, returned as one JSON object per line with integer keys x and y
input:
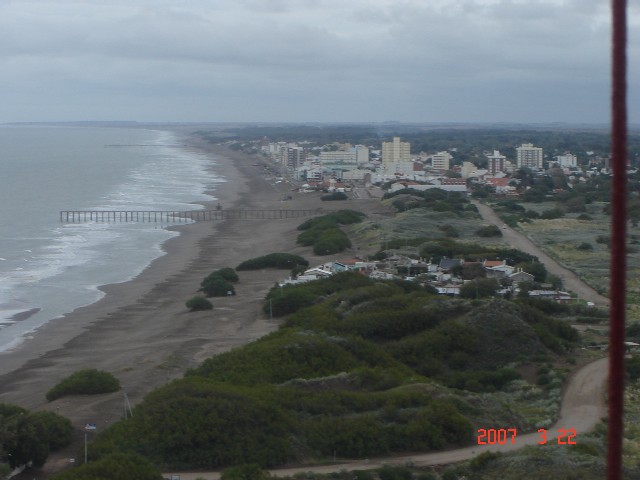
{"x": 330, "y": 242}
{"x": 551, "y": 214}
{"x": 88, "y": 381}
{"x": 273, "y": 260}
{"x": 216, "y": 286}
{"x": 392, "y": 472}
{"x": 483, "y": 460}
{"x": 584, "y": 216}
{"x": 324, "y": 232}
{"x": 449, "y": 230}
{"x": 117, "y": 466}
{"x": 228, "y": 273}
{"x": 249, "y": 471}
{"x": 585, "y": 246}
{"x": 334, "y": 196}
{"x": 479, "y": 288}
{"x": 29, "y": 437}
{"x": 198, "y": 303}
{"x": 195, "y": 423}
{"x": 632, "y": 366}
{"x": 288, "y": 301}
{"x": 489, "y": 231}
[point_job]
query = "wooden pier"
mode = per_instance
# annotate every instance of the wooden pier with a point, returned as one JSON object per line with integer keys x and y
{"x": 166, "y": 216}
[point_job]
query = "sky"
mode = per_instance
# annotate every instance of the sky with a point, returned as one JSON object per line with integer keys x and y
{"x": 486, "y": 61}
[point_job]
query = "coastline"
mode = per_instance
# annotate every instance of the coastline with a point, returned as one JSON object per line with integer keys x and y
{"x": 140, "y": 330}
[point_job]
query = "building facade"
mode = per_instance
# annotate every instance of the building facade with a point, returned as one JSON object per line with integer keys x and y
{"x": 396, "y": 156}
{"x": 528, "y": 156}
{"x": 441, "y": 161}
{"x": 496, "y": 162}
{"x": 567, "y": 160}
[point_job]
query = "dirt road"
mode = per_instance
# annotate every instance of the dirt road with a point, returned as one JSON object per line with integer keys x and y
{"x": 517, "y": 240}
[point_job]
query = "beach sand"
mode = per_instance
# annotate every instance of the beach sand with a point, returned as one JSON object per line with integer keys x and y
{"x": 141, "y": 330}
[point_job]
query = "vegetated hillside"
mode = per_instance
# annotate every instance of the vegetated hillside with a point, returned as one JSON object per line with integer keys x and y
{"x": 365, "y": 370}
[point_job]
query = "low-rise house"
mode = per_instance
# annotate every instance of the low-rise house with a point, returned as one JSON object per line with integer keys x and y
{"x": 521, "y": 277}
{"x": 555, "y": 295}
{"x": 447, "y": 264}
{"x": 450, "y": 289}
{"x": 501, "y": 271}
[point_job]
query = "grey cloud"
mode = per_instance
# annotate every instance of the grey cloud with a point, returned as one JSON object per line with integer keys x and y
{"x": 384, "y": 58}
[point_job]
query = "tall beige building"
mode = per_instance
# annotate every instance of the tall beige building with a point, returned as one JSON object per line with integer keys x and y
{"x": 396, "y": 156}
{"x": 529, "y": 156}
{"x": 441, "y": 161}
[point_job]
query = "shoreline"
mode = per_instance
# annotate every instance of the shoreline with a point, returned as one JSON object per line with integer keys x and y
{"x": 140, "y": 330}
{"x": 114, "y": 294}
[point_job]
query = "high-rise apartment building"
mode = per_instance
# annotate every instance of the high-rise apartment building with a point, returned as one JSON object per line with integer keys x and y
{"x": 496, "y": 162}
{"x": 292, "y": 157}
{"x": 528, "y": 156}
{"x": 396, "y": 156}
{"x": 441, "y": 161}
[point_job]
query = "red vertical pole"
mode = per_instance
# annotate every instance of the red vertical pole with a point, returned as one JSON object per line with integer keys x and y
{"x": 617, "y": 288}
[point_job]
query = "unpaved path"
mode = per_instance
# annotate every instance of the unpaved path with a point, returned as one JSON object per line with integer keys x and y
{"x": 519, "y": 241}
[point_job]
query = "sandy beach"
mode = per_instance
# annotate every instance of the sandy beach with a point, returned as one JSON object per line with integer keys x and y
{"x": 141, "y": 330}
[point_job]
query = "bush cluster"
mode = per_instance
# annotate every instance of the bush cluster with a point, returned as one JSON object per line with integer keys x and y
{"x": 30, "y": 437}
{"x": 286, "y": 261}
{"x": 434, "y": 199}
{"x": 489, "y": 231}
{"x": 334, "y": 196}
{"x": 198, "y": 303}
{"x": 217, "y": 284}
{"x": 346, "y": 373}
{"x": 324, "y": 232}
{"x": 85, "y": 382}
{"x": 116, "y": 466}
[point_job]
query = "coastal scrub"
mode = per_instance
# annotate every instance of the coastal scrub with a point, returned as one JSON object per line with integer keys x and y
{"x": 89, "y": 381}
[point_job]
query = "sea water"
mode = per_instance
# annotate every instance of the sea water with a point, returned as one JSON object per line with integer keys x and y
{"x": 49, "y": 268}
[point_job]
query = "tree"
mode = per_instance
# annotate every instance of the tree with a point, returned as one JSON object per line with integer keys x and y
{"x": 117, "y": 466}
{"x": 216, "y": 286}
{"x": 479, "y": 288}
{"x": 489, "y": 231}
{"x": 29, "y": 437}
{"x": 87, "y": 381}
{"x": 198, "y": 303}
{"x": 536, "y": 269}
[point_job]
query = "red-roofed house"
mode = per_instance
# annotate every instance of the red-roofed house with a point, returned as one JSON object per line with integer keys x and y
{"x": 501, "y": 185}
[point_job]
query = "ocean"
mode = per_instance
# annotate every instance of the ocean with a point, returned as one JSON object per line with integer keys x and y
{"x": 49, "y": 268}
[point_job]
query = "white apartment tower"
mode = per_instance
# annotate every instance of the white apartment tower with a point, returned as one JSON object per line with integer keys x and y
{"x": 567, "y": 160}
{"x": 396, "y": 156}
{"x": 528, "y": 156}
{"x": 496, "y": 162}
{"x": 441, "y": 161}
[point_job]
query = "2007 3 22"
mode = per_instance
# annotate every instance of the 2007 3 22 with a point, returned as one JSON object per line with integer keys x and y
{"x": 502, "y": 436}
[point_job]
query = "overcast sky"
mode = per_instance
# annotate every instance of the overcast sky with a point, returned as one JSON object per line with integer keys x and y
{"x": 310, "y": 60}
